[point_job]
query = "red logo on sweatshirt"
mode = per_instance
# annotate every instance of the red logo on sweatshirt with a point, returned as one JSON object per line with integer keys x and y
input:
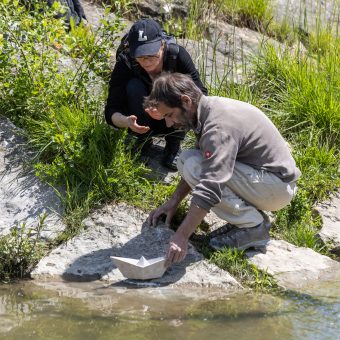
{"x": 207, "y": 154}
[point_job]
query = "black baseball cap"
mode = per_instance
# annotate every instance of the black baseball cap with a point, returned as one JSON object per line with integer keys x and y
{"x": 145, "y": 38}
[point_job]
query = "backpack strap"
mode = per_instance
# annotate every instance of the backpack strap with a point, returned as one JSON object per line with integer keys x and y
{"x": 172, "y": 51}
{"x": 123, "y": 46}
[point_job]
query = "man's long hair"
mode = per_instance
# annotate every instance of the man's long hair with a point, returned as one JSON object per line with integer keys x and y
{"x": 168, "y": 89}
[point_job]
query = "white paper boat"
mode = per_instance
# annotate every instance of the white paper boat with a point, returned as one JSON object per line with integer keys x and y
{"x": 141, "y": 269}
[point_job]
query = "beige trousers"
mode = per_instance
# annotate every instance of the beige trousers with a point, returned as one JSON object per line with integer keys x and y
{"x": 248, "y": 190}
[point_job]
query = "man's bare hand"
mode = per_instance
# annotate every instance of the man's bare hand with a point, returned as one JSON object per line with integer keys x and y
{"x": 132, "y": 124}
{"x": 153, "y": 113}
{"x": 178, "y": 247}
{"x": 168, "y": 208}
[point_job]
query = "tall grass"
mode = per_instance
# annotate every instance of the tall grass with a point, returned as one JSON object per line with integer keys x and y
{"x": 254, "y": 14}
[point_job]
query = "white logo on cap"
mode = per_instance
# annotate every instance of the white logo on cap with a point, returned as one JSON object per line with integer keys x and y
{"x": 141, "y": 38}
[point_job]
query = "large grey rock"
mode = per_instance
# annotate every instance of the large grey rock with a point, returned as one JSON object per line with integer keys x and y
{"x": 293, "y": 267}
{"x": 121, "y": 231}
{"x": 330, "y": 214}
{"x": 229, "y": 52}
{"x": 93, "y": 12}
{"x": 238, "y": 43}
{"x": 163, "y": 9}
{"x": 23, "y": 198}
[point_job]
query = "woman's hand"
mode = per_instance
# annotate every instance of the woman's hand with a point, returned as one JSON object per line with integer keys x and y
{"x": 153, "y": 113}
{"x": 132, "y": 125}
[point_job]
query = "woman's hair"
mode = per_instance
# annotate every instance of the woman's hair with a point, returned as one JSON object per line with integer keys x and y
{"x": 168, "y": 88}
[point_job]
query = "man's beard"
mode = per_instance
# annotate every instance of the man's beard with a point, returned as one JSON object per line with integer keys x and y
{"x": 186, "y": 122}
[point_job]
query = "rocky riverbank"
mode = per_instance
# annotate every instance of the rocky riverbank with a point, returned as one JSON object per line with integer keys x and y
{"x": 121, "y": 230}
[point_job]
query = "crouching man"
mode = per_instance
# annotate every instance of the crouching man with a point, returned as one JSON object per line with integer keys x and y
{"x": 242, "y": 165}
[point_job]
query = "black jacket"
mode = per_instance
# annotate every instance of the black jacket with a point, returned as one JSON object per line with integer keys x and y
{"x": 74, "y": 10}
{"x": 127, "y": 68}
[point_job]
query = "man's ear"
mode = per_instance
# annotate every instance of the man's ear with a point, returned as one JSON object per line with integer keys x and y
{"x": 186, "y": 99}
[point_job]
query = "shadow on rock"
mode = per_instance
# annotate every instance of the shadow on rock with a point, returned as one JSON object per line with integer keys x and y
{"x": 150, "y": 242}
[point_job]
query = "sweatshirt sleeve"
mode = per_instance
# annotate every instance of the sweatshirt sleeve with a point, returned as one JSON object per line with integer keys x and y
{"x": 185, "y": 65}
{"x": 120, "y": 76}
{"x": 219, "y": 151}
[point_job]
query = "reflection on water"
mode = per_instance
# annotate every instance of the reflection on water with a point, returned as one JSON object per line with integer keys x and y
{"x": 85, "y": 312}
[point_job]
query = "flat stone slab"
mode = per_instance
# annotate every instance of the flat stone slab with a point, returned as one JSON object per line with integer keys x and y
{"x": 330, "y": 214}
{"x": 23, "y": 197}
{"x": 293, "y": 267}
{"x": 120, "y": 230}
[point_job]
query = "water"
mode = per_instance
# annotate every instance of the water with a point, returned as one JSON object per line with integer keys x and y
{"x": 88, "y": 311}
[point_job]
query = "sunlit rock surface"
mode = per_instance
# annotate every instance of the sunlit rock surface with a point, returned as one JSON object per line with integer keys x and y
{"x": 23, "y": 198}
{"x": 122, "y": 231}
{"x": 330, "y": 214}
{"x": 293, "y": 267}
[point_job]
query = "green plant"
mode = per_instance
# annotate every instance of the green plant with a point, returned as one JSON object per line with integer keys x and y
{"x": 21, "y": 250}
{"x": 122, "y": 7}
{"x": 236, "y": 263}
{"x": 255, "y": 14}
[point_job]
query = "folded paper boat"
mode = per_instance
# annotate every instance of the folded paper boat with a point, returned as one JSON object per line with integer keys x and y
{"x": 141, "y": 269}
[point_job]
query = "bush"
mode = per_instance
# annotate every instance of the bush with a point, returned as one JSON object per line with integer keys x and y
{"x": 21, "y": 250}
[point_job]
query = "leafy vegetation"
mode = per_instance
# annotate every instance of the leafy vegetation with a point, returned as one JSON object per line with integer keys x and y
{"x": 21, "y": 250}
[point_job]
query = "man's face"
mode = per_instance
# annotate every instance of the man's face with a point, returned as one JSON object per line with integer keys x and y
{"x": 177, "y": 117}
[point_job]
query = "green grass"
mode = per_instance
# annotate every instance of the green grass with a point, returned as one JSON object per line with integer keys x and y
{"x": 77, "y": 153}
{"x": 300, "y": 93}
{"x": 236, "y": 263}
{"x": 303, "y": 96}
{"x": 254, "y": 14}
